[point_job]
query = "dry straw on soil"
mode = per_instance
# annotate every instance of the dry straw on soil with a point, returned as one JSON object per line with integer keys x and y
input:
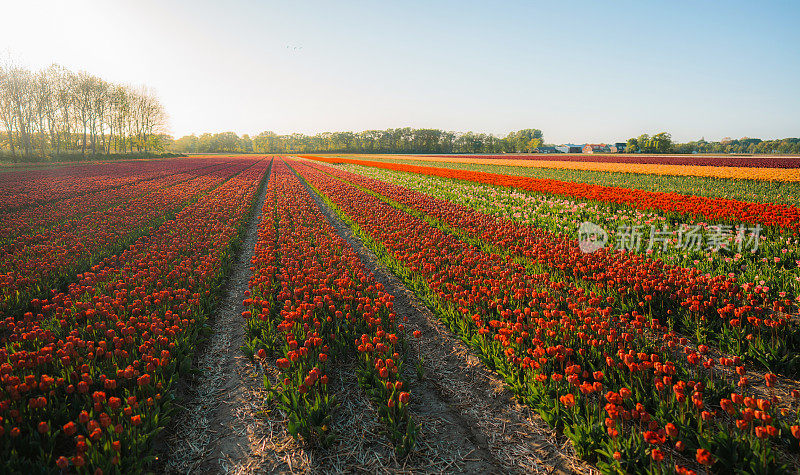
{"x": 469, "y": 422}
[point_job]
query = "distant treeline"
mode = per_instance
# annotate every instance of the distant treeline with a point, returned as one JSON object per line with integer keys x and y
{"x": 662, "y": 143}
{"x": 408, "y": 140}
{"x": 57, "y": 114}
{"x": 404, "y": 140}
{"x": 743, "y": 145}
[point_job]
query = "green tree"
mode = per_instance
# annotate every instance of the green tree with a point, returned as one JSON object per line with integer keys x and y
{"x": 245, "y": 144}
{"x": 521, "y": 139}
{"x": 533, "y": 145}
{"x": 186, "y": 144}
{"x": 644, "y": 143}
{"x": 227, "y": 142}
{"x": 661, "y": 143}
{"x": 206, "y": 143}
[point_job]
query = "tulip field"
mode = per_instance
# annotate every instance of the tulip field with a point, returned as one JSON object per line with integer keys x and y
{"x": 773, "y": 189}
{"x": 311, "y": 299}
{"x": 647, "y": 327}
{"x": 86, "y": 366}
{"x": 776, "y": 168}
{"x": 762, "y": 161}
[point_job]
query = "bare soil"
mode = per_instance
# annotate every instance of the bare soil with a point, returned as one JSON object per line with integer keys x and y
{"x": 208, "y": 436}
{"x": 476, "y": 414}
{"x": 469, "y": 422}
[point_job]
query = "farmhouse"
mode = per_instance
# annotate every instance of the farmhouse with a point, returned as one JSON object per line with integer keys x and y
{"x": 570, "y": 148}
{"x": 597, "y": 148}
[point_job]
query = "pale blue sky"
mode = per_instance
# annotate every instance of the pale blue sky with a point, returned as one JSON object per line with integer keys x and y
{"x": 580, "y": 71}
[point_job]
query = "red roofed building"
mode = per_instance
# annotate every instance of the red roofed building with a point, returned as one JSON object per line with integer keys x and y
{"x": 596, "y": 148}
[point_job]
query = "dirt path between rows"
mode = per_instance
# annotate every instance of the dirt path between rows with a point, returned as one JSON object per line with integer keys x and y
{"x": 458, "y": 400}
{"x": 207, "y": 436}
{"x": 469, "y": 422}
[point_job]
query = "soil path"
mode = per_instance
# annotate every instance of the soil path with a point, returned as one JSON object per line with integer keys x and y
{"x": 207, "y": 436}
{"x": 458, "y": 398}
{"x": 469, "y": 422}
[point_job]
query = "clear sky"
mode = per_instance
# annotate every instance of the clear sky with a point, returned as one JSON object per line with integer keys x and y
{"x": 580, "y": 71}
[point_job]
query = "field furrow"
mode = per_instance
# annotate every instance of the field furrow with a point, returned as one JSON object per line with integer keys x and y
{"x": 88, "y": 377}
{"x": 699, "y": 167}
{"x": 296, "y": 315}
{"x": 710, "y": 308}
{"x": 541, "y": 335}
{"x": 22, "y": 225}
{"x": 717, "y": 209}
{"x": 30, "y": 268}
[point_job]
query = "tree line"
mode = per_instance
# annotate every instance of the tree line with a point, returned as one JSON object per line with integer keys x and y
{"x": 401, "y": 140}
{"x": 409, "y": 140}
{"x": 743, "y": 145}
{"x": 56, "y": 112}
{"x": 662, "y": 143}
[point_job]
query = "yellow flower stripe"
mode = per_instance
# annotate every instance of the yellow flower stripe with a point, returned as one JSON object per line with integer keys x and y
{"x": 752, "y": 173}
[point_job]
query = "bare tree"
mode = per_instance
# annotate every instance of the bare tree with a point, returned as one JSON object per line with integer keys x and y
{"x": 6, "y": 109}
{"x": 43, "y": 104}
{"x": 83, "y": 94}
{"x": 117, "y": 110}
{"x": 98, "y": 113}
{"x": 56, "y": 111}
{"x": 20, "y": 88}
{"x": 65, "y": 101}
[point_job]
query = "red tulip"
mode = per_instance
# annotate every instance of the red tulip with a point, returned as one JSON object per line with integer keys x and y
{"x": 704, "y": 457}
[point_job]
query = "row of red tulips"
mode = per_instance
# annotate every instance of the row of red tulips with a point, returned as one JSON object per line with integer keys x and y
{"x": 23, "y": 223}
{"x": 743, "y": 318}
{"x": 31, "y": 266}
{"x": 86, "y": 374}
{"x": 312, "y": 303}
{"x": 616, "y": 383}
{"x": 710, "y": 209}
{"x": 692, "y": 160}
{"x": 25, "y": 188}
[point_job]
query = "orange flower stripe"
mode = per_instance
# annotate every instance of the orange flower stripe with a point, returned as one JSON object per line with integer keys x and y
{"x": 752, "y": 173}
{"x": 712, "y": 209}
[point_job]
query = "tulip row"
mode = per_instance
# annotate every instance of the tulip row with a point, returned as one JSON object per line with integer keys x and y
{"x": 23, "y": 223}
{"x": 616, "y": 383}
{"x": 739, "y": 200}
{"x": 696, "y": 160}
{"x": 32, "y": 265}
{"x": 765, "y": 332}
{"x": 26, "y": 188}
{"x": 311, "y": 302}
{"x": 726, "y": 172}
{"x": 86, "y": 375}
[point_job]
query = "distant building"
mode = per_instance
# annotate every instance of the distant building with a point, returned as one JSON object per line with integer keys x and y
{"x": 570, "y": 148}
{"x": 545, "y": 150}
{"x": 620, "y": 146}
{"x": 596, "y": 148}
